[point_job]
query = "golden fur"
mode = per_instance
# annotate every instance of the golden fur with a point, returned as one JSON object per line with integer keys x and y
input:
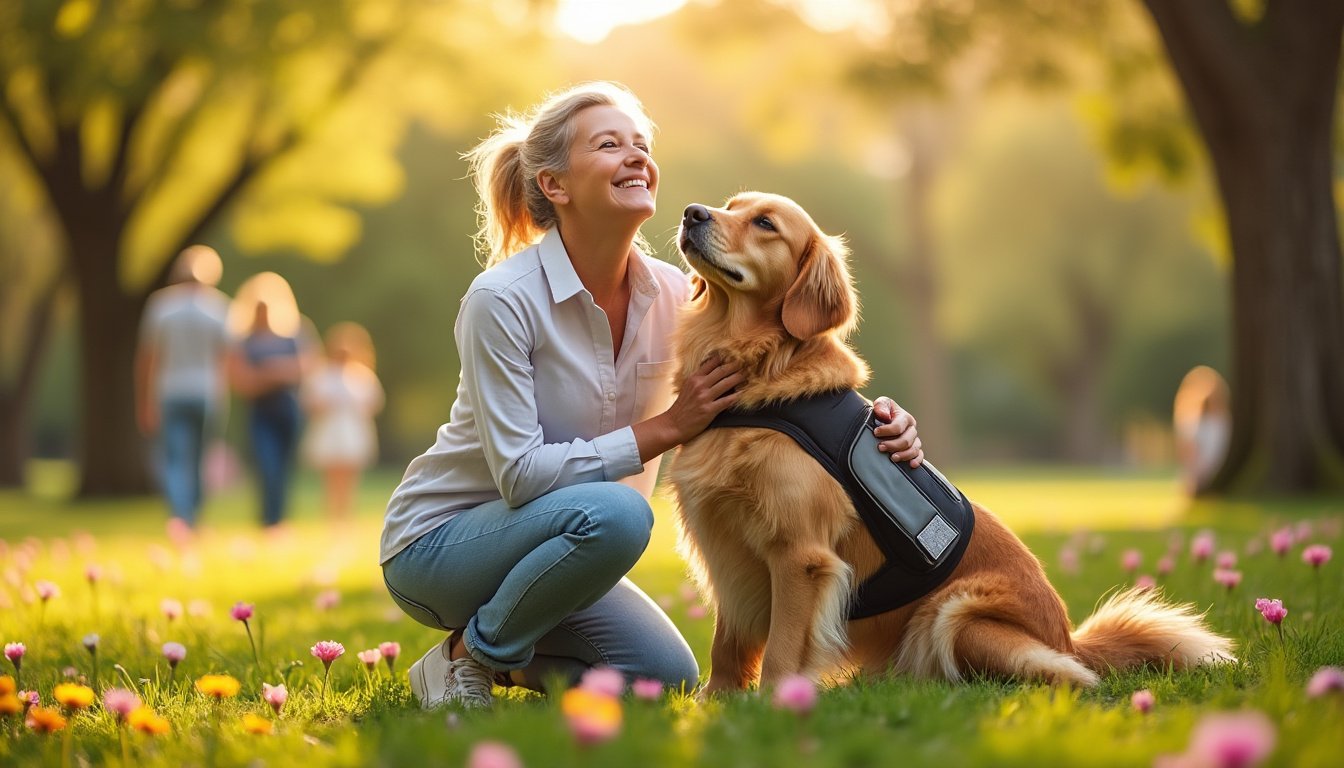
{"x": 773, "y": 540}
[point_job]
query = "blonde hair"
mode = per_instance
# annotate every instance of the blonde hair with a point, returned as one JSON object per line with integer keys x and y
{"x": 282, "y": 311}
{"x": 513, "y": 211}
{"x": 355, "y": 340}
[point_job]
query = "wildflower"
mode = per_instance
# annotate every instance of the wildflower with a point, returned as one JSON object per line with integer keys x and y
{"x": 174, "y": 653}
{"x": 1326, "y": 680}
{"x": 172, "y": 609}
{"x": 120, "y": 702}
{"x": 1068, "y": 560}
{"x": 1316, "y": 555}
{"x": 147, "y": 721}
{"x": 1165, "y": 565}
{"x": 493, "y": 754}
{"x": 593, "y": 717}
{"x": 275, "y": 695}
{"x": 44, "y": 720}
{"x": 7, "y": 685}
{"x": 604, "y": 680}
{"x": 328, "y": 651}
{"x": 1281, "y": 541}
{"x": 242, "y": 611}
{"x": 73, "y": 695}
{"x": 1142, "y": 701}
{"x": 795, "y": 693}
{"x": 1272, "y": 610}
{"x": 14, "y": 652}
{"x": 46, "y": 590}
{"x": 93, "y": 572}
{"x": 390, "y": 653}
{"x": 91, "y": 642}
{"x": 218, "y": 686}
{"x": 257, "y": 725}
{"x": 646, "y": 689}
{"x": 10, "y": 705}
{"x": 198, "y": 608}
{"x": 1145, "y": 582}
{"x": 1227, "y": 578}
{"x": 30, "y": 699}
{"x": 1227, "y": 560}
{"x": 370, "y": 658}
{"x": 1131, "y": 560}
{"x": 327, "y": 599}
{"x": 696, "y": 612}
{"x": 1201, "y": 547}
{"x": 1231, "y": 740}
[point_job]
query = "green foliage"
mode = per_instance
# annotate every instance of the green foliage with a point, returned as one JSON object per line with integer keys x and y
{"x": 371, "y": 719}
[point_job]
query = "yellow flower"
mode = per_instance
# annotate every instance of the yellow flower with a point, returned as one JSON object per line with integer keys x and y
{"x": 144, "y": 719}
{"x": 74, "y": 696}
{"x": 7, "y": 685}
{"x": 45, "y": 720}
{"x": 255, "y": 724}
{"x": 10, "y": 705}
{"x": 218, "y": 686}
{"x": 593, "y": 717}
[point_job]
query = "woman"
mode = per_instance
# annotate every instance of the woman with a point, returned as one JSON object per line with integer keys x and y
{"x": 265, "y": 368}
{"x": 511, "y": 531}
{"x": 340, "y": 399}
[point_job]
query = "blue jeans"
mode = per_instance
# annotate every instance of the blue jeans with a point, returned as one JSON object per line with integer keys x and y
{"x": 182, "y": 424}
{"x": 542, "y": 586}
{"x": 274, "y": 425}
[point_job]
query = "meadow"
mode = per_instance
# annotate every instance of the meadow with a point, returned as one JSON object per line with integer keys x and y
{"x": 109, "y": 572}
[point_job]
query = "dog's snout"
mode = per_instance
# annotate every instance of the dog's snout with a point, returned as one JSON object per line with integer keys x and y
{"x": 694, "y": 214}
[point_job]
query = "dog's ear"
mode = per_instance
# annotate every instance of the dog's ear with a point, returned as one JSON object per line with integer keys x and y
{"x": 821, "y": 298}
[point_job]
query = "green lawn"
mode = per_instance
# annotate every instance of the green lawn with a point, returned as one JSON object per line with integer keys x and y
{"x": 370, "y": 719}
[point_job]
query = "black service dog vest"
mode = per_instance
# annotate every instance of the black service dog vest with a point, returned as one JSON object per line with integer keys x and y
{"x": 920, "y": 521}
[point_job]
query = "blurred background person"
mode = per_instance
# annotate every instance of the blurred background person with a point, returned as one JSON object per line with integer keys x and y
{"x": 340, "y": 399}
{"x": 1202, "y": 422}
{"x": 266, "y": 368}
{"x": 179, "y": 375}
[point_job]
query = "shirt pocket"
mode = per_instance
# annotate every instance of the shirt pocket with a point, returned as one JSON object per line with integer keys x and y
{"x": 653, "y": 389}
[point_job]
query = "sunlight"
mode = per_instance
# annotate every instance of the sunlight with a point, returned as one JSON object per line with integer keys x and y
{"x": 589, "y": 21}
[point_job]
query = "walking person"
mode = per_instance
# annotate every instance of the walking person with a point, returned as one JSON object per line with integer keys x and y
{"x": 515, "y": 530}
{"x": 180, "y": 379}
{"x": 340, "y": 399}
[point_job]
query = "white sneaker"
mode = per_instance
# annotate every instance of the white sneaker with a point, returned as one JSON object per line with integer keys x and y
{"x": 436, "y": 681}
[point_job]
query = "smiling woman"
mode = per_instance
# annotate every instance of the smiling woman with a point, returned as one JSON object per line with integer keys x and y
{"x": 589, "y": 21}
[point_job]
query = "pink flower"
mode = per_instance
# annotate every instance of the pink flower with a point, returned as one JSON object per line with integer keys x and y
{"x": 1227, "y": 578}
{"x": 1227, "y": 560}
{"x": 198, "y": 607}
{"x": 1166, "y": 565}
{"x": 1201, "y": 547}
{"x": 46, "y": 590}
{"x": 1145, "y": 582}
{"x": 328, "y": 651}
{"x": 241, "y": 611}
{"x": 1281, "y": 541}
{"x": 172, "y": 609}
{"x": 1142, "y": 701}
{"x": 120, "y": 702}
{"x": 1326, "y": 680}
{"x": 275, "y": 695}
{"x": 1254, "y": 547}
{"x": 390, "y": 653}
{"x": 603, "y": 680}
{"x": 696, "y": 612}
{"x": 1131, "y": 560}
{"x": 327, "y": 599}
{"x": 493, "y": 754}
{"x": 1232, "y": 740}
{"x": 91, "y": 642}
{"x": 795, "y": 693}
{"x": 1316, "y": 555}
{"x": 30, "y": 699}
{"x": 174, "y": 653}
{"x": 649, "y": 690}
{"x": 93, "y": 572}
{"x": 370, "y": 658}
{"x": 1272, "y": 610}
{"x": 15, "y": 651}
{"x": 1068, "y": 560}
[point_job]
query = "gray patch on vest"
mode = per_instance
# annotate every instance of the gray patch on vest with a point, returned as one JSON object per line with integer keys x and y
{"x": 937, "y": 536}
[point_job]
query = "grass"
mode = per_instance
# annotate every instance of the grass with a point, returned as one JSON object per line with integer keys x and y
{"x": 370, "y": 719}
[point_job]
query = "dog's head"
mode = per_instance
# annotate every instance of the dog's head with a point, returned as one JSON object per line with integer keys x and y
{"x": 764, "y": 253}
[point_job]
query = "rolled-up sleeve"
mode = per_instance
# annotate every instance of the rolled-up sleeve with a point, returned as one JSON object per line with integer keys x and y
{"x": 495, "y": 343}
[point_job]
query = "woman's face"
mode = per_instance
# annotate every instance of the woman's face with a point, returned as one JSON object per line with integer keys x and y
{"x": 611, "y": 172}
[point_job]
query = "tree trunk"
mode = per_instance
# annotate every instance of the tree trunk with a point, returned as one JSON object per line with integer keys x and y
{"x": 1263, "y": 96}
{"x": 16, "y": 401}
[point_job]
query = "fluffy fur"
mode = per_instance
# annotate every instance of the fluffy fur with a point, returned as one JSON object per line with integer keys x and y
{"x": 773, "y": 540}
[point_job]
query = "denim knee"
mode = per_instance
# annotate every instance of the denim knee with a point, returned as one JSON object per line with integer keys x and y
{"x": 619, "y": 517}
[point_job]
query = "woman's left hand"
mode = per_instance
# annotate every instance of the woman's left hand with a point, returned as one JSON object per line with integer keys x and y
{"x": 898, "y": 435}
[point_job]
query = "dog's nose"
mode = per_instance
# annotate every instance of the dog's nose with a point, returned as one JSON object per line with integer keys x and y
{"x": 695, "y": 213}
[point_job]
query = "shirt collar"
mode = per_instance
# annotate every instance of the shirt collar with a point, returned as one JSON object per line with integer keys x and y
{"x": 565, "y": 282}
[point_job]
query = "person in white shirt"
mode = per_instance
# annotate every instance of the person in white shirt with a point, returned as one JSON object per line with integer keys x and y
{"x": 516, "y": 529}
{"x": 180, "y": 378}
{"x": 340, "y": 398}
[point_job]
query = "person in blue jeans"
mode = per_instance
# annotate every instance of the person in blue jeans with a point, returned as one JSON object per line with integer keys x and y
{"x": 180, "y": 378}
{"x": 266, "y": 368}
{"x": 515, "y": 530}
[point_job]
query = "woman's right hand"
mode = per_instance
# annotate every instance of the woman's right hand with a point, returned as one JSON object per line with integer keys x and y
{"x": 706, "y": 393}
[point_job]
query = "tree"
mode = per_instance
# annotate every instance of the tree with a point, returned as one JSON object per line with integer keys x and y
{"x": 1262, "y": 88}
{"x": 149, "y": 125}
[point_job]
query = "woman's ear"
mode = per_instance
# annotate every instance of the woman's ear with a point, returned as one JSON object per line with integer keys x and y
{"x": 552, "y": 188}
{"x": 821, "y": 298}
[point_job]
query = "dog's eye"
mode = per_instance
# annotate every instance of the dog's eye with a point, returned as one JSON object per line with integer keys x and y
{"x": 764, "y": 223}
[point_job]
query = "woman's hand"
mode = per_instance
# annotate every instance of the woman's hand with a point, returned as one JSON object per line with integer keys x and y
{"x": 705, "y": 394}
{"x": 898, "y": 435}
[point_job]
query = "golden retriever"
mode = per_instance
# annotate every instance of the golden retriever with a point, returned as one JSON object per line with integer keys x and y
{"x": 774, "y": 541}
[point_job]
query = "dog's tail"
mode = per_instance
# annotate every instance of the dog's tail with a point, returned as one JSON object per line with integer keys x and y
{"x": 1136, "y": 627}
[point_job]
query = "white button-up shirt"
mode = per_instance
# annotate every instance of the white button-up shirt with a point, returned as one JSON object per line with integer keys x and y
{"x": 544, "y": 401}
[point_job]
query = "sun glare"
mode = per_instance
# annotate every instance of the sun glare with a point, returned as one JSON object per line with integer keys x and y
{"x": 589, "y": 21}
